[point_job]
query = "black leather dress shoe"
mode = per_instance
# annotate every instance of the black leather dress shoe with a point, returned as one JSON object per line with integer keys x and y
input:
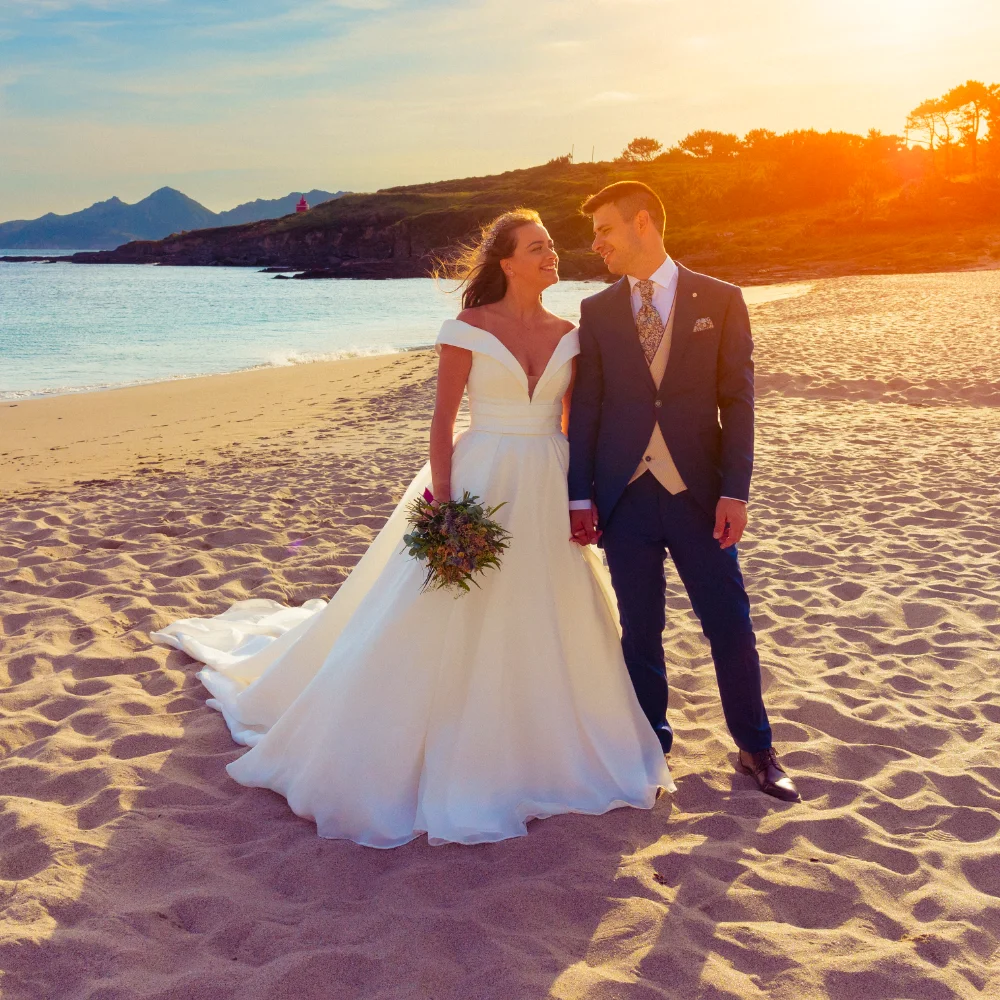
{"x": 768, "y": 773}
{"x": 666, "y": 736}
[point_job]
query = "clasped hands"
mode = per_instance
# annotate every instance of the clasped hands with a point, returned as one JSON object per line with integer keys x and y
{"x": 730, "y": 523}
{"x": 583, "y": 527}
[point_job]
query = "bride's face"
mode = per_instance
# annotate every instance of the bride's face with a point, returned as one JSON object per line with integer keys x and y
{"x": 534, "y": 262}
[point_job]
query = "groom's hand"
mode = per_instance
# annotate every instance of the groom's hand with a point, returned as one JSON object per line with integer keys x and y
{"x": 730, "y": 521}
{"x": 583, "y": 526}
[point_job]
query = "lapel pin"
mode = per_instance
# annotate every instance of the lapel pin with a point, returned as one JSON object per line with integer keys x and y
{"x": 694, "y": 295}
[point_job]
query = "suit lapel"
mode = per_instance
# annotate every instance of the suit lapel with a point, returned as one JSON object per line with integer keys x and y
{"x": 623, "y": 323}
{"x": 685, "y": 308}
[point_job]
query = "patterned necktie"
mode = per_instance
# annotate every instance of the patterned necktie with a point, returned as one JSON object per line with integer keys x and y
{"x": 648, "y": 322}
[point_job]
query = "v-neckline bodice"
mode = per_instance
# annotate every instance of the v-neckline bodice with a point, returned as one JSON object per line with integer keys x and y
{"x": 517, "y": 364}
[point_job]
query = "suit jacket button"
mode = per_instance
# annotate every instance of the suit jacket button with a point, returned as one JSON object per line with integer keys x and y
{"x": 649, "y": 458}
{"x": 658, "y": 403}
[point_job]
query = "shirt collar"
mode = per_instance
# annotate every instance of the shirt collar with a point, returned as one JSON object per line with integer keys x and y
{"x": 662, "y": 276}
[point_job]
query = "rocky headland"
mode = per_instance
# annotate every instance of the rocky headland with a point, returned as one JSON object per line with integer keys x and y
{"x": 776, "y": 221}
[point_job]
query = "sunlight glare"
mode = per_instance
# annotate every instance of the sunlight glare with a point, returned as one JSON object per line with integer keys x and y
{"x": 898, "y": 22}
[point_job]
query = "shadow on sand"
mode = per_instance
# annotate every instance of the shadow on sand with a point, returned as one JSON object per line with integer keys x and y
{"x": 198, "y": 888}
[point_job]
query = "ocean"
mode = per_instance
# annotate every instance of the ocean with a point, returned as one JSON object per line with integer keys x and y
{"x": 74, "y": 327}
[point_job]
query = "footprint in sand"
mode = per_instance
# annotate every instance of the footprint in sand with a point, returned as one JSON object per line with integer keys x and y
{"x": 141, "y": 745}
{"x": 102, "y": 808}
{"x": 25, "y": 854}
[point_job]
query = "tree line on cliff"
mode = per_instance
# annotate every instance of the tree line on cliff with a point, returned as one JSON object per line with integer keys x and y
{"x": 960, "y": 120}
{"x": 952, "y": 138}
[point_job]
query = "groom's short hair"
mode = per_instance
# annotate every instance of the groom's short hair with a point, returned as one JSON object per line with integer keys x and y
{"x": 630, "y": 197}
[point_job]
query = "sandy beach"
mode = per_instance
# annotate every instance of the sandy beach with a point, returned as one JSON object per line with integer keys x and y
{"x": 130, "y": 867}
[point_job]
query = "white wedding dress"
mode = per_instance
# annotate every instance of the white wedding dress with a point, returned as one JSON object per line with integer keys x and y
{"x": 388, "y": 712}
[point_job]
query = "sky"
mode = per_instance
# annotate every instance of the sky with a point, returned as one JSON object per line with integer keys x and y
{"x": 231, "y": 100}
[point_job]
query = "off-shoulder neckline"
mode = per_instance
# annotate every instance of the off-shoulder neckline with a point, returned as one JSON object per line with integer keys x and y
{"x": 480, "y": 329}
{"x": 510, "y": 354}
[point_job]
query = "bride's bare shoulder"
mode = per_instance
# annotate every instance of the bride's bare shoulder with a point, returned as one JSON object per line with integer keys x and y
{"x": 561, "y": 324}
{"x": 476, "y": 316}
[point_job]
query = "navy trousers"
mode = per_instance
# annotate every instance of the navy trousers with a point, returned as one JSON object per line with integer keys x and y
{"x": 647, "y": 523}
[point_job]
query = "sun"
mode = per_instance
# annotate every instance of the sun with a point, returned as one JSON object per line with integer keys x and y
{"x": 900, "y": 22}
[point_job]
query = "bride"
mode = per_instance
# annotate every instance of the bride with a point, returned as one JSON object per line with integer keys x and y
{"x": 391, "y": 712}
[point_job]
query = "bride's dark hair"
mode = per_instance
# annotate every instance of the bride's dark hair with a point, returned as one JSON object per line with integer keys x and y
{"x": 476, "y": 267}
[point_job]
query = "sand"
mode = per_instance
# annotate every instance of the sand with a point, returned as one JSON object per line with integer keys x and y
{"x": 132, "y": 867}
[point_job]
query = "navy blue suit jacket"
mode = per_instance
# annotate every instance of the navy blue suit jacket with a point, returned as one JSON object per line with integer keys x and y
{"x": 704, "y": 404}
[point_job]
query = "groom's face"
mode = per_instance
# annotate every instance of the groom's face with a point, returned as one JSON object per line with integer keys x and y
{"x": 616, "y": 239}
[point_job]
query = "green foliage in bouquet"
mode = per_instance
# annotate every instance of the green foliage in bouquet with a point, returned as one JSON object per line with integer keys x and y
{"x": 457, "y": 539}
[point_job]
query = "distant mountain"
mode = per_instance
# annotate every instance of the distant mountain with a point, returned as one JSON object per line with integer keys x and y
{"x": 274, "y": 208}
{"x": 109, "y": 224}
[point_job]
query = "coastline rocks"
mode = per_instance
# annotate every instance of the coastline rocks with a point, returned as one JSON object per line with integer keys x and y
{"x": 397, "y": 233}
{"x": 34, "y": 260}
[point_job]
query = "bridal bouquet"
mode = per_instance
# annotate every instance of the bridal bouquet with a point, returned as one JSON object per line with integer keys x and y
{"x": 457, "y": 539}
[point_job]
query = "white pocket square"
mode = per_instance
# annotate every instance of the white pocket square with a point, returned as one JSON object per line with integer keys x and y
{"x": 705, "y": 323}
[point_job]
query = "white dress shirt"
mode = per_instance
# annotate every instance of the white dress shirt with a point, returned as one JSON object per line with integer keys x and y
{"x": 664, "y": 280}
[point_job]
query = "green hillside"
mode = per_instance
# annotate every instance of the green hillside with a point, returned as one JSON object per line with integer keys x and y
{"x": 803, "y": 203}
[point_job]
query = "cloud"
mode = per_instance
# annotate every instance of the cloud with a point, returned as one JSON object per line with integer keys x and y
{"x": 368, "y": 93}
{"x": 40, "y": 8}
{"x": 612, "y": 97}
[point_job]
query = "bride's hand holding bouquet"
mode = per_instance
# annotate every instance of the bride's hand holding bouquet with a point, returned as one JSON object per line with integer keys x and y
{"x": 458, "y": 539}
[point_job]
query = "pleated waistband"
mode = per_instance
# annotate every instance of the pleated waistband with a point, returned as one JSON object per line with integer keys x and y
{"x": 517, "y": 418}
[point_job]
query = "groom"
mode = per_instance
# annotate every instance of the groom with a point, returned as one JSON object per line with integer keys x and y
{"x": 661, "y": 453}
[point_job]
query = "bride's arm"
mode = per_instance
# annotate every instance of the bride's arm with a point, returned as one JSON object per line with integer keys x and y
{"x": 454, "y": 365}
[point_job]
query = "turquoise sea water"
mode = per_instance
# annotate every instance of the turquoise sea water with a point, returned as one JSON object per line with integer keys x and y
{"x": 73, "y": 327}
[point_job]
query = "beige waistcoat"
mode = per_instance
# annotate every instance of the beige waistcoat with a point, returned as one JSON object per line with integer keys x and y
{"x": 656, "y": 458}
